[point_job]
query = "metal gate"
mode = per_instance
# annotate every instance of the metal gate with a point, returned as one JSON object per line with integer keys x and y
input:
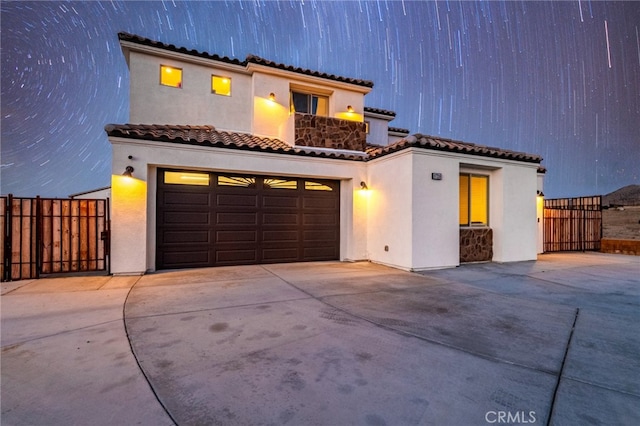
{"x": 573, "y": 224}
{"x": 52, "y": 235}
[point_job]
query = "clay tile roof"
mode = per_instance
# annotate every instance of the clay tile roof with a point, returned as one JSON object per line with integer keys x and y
{"x": 209, "y": 136}
{"x": 261, "y": 61}
{"x": 440, "y": 144}
{"x": 250, "y": 59}
{"x": 380, "y": 111}
{"x": 399, "y": 130}
{"x": 152, "y": 43}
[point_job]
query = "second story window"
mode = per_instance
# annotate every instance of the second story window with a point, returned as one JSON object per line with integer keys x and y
{"x": 221, "y": 85}
{"x": 309, "y": 103}
{"x": 170, "y": 76}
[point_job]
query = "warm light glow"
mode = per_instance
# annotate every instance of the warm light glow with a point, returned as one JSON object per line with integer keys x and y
{"x": 186, "y": 178}
{"x": 125, "y": 187}
{"x": 272, "y": 96}
{"x": 170, "y": 76}
{"x": 351, "y": 116}
{"x": 221, "y": 85}
{"x": 349, "y": 108}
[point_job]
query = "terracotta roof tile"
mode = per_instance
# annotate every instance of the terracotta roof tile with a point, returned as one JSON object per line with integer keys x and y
{"x": 380, "y": 111}
{"x": 399, "y": 130}
{"x": 253, "y": 59}
{"x": 440, "y": 144}
{"x": 209, "y": 136}
{"x": 250, "y": 59}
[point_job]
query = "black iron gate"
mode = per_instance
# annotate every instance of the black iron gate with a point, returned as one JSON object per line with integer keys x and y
{"x": 573, "y": 224}
{"x": 52, "y": 235}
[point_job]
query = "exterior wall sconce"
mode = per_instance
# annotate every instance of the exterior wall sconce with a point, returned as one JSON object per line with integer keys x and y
{"x": 272, "y": 96}
{"x": 128, "y": 172}
{"x": 349, "y": 108}
{"x": 363, "y": 186}
{"x": 539, "y": 193}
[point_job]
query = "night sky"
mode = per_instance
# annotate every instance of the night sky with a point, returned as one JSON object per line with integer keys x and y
{"x": 558, "y": 79}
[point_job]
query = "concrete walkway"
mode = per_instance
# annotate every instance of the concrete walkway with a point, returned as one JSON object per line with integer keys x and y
{"x": 329, "y": 344}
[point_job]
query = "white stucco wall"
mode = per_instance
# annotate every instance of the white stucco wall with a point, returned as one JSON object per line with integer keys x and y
{"x": 390, "y": 211}
{"x": 435, "y": 205}
{"x": 193, "y": 103}
{"x": 134, "y": 211}
{"x": 378, "y": 130}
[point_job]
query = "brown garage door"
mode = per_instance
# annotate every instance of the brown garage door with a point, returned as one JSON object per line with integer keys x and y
{"x": 210, "y": 219}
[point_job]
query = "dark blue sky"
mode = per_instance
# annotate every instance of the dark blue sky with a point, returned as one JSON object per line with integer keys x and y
{"x": 558, "y": 79}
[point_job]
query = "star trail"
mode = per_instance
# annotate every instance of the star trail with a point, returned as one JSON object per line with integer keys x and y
{"x": 559, "y": 79}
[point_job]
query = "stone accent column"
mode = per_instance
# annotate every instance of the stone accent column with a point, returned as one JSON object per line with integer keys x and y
{"x": 476, "y": 244}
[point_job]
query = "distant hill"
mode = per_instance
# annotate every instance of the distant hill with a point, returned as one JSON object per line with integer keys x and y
{"x": 625, "y": 196}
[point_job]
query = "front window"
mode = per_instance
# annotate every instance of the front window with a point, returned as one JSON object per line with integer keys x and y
{"x": 170, "y": 76}
{"x": 221, "y": 85}
{"x": 309, "y": 103}
{"x": 474, "y": 200}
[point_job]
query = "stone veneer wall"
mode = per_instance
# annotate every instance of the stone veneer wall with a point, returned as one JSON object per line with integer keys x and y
{"x": 329, "y": 132}
{"x": 476, "y": 244}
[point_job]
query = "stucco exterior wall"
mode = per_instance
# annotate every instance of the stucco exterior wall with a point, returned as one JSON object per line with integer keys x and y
{"x": 193, "y": 103}
{"x": 134, "y": 212}
{"x": 390, "y": 215}
{"x": 435, "y": 206}
{"x": 378, "y": 131}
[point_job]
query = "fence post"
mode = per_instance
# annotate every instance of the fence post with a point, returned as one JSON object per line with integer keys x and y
{"x": 8, "y": 238}
{"x": 38, "y": 260}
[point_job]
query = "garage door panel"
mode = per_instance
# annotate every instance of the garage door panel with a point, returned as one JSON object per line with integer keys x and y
{"x": 280, "y": 236}
{"x": 237, "y": 200}
{"x": 280, "y": 219}
{"x": 185, "y": 218}
{"x": 319, "y": 219}
{"x": 321, "y": 235}
{"x": 280, "y": 255}
{"x": 233, "y": 218}
{"x": 320, "y": 202}
{"x": 289, "y": 202}
{"x": 186, "y": 236}
{"x": 236, "y": 257}
{"x": 235, "y": 236}
{"x": 173, "y": 198}
{"x": 188, "y": 258}
{"x": 320, "y": 253}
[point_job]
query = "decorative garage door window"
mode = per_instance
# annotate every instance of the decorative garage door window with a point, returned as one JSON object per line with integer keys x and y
{"x": 211, "y": 219}
{"x": 186, "y": 178}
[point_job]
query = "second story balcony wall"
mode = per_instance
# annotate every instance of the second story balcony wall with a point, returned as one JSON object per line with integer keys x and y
{"x": 329, "y": 132}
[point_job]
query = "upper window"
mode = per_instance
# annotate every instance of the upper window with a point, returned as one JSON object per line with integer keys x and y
{"x": 309, "y": 103}
{"x": 221, "y": 85}
{"x": 170, "y": 76}
{"x": 474, "y": 200}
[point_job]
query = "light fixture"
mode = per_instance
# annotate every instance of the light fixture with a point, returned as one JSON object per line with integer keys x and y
{"x": 128, "y": 172}
{"x": 540, "y": 193}
{"x": 349, "y": 108}
{"x": 363, "y": 186}
{"x": 272, "y": 96}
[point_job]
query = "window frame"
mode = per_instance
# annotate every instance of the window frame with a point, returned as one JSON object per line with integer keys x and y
{"x": 162, "y": 67}
{"x": 310, "y": 94}
{"x": 469, "y": 223}
{"x": 213, "y": 91}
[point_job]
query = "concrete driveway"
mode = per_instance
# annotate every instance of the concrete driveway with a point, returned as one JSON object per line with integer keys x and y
{"x": 329, "y": 344}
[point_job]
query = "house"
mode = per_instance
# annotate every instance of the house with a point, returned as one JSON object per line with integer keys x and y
{"x": 251, "y": 161}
